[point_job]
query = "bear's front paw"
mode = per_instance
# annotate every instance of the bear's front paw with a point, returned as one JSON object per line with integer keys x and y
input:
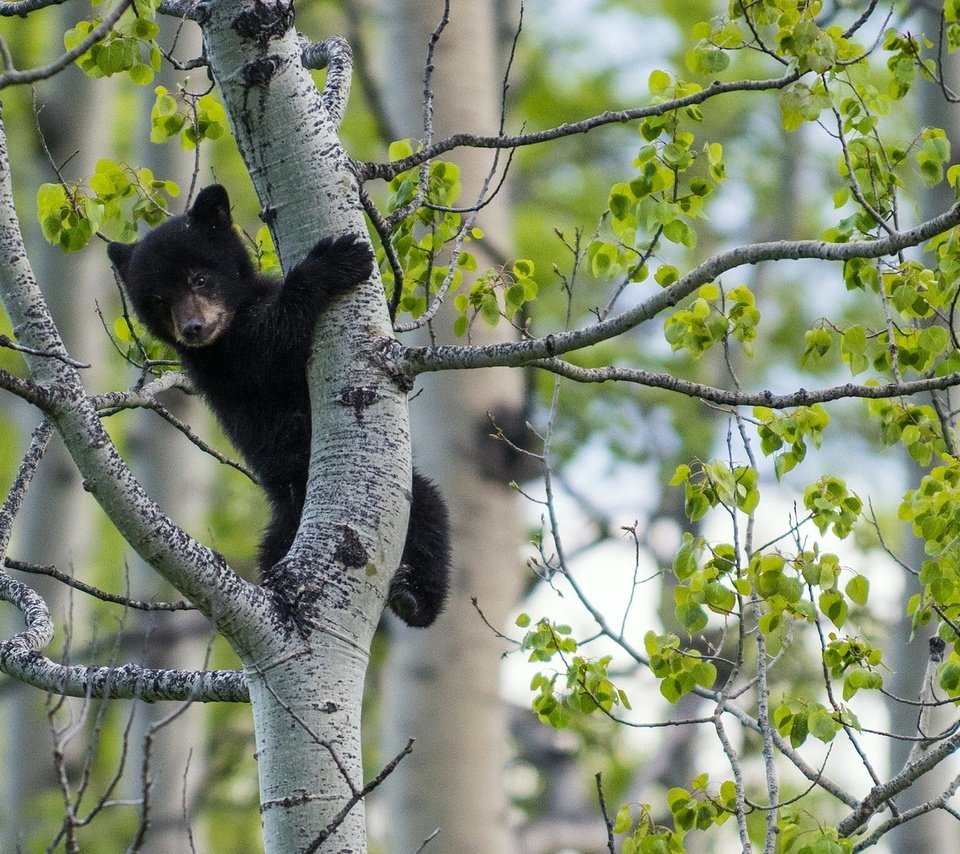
{"x": 341, "y": 262}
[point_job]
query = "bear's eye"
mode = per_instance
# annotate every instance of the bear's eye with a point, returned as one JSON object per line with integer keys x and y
{"x": 199, "y": 280}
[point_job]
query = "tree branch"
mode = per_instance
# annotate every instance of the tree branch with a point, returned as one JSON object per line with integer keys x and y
{"x": 335, "y": 55}
{"x": 726, "y": 397}
{"x": 188, "y": 9}
{"x": 142, "y": 395}
{"x": 385, "y": 772}
{"x": 13, "y": 345}
{"x": 25, "y": 389}
{"x": 12, "y": 77}
{"x": 914, "y": 812}
{"x": 28, "y": 467}
{"x": 20, "y": 657}
{"x": 387, "y": 171}
{"x": 96, "y": 592}
{"x": 911, "y": 772}
{"x": 606, "y": 816}
{"x": 416, "y": 360}
{"x": 25, "y": 7}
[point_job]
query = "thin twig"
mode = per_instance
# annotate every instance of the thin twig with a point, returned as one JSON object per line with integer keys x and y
{"x": 97, "y": 593}
{"x": 606, "y": 818}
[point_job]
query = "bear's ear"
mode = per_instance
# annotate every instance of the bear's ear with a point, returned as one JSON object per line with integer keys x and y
{"x": 120, "y": 255}
{"x": 212, "y": 206}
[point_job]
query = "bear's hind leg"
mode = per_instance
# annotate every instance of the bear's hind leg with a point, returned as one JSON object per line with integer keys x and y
{"x": 419, "y": 586}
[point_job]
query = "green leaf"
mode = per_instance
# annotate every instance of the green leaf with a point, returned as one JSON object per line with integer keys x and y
{"x": 144, "y": 29}
{"x": 523, "y": 268}
{"x": 658, "y": 82}
{"x": 400, "y": 149}
{"x": 692, "y": 617}
{"x": 950, "y": 676}
{"x": 678, "y": 231}
{"x": 707, "y": 60}
{"x": 858, "y": 589}
{"x": 834, "y": 607}
{"x": 623, "y": 820}
{"x": 853, "y": 347}
{"x": 822, "y": 725}
{"x": 141, "y": 74}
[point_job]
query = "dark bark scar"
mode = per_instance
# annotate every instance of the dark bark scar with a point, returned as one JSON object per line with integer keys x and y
{"x": 358, "y": 399}
{"x": 263, "y": 21}
{"x": 350, "y": 551}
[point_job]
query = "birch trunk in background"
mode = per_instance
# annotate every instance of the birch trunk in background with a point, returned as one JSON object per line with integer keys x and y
{"x": 442, "y": 686}
{"x": 72, "y": 124}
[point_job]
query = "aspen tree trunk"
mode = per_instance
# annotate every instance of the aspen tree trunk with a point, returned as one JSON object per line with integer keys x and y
{"x": 442, "y": 686}
{"x": 306, "y": 673}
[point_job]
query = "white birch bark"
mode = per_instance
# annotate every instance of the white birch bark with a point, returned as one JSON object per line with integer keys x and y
{"x": 306, "y": 680}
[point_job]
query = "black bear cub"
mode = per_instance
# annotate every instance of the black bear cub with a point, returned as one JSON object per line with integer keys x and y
{"x": 244, "y": 340}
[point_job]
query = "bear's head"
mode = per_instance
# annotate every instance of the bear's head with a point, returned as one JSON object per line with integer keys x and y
{"x": 187, "y": 278}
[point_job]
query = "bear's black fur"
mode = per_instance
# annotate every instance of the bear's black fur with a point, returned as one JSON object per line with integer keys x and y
{"x": 244, "y": 340}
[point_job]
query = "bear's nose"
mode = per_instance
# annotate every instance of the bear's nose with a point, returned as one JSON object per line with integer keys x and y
{"x": 192, "y": 329}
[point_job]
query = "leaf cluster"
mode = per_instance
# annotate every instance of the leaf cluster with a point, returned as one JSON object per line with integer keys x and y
{"x": 587, "y": 687}
{"x": 193, "y": 117}
{"x": 113, "y": 201}
{"x": 130, "y": 46}
{"x": 691, "y": 809}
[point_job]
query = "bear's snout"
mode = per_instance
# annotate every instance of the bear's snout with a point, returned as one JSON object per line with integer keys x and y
{"x": 198, "y": 321}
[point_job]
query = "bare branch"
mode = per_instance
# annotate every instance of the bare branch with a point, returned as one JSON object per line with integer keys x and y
{"x": 737, "y": 769}
{"x": 385, "y": 772}
{"x": 187, "y": 431}
{"x": 142, "y": 395}
{"x": 726, "y": 397}
{"x": 914, "y": 812}
{"x": 28, "y": 468}
{"x": 13, "y": 345}
{"x": 20, "y": 657}
{"x": 188, "y": 9}
{"x": 417, "y": 360}
{"x": 29, "y": 391}
{"x": 910, "y": 773}
{"x": 335, "y": 55}
{"x": 386, "y": 171}
{"x": 146, "y": 781}
{"x": 606, "y": 817}
{"x": 864, "y": 17}
{"x": 25, "y": 7}
{"x": 96, "y": 592}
